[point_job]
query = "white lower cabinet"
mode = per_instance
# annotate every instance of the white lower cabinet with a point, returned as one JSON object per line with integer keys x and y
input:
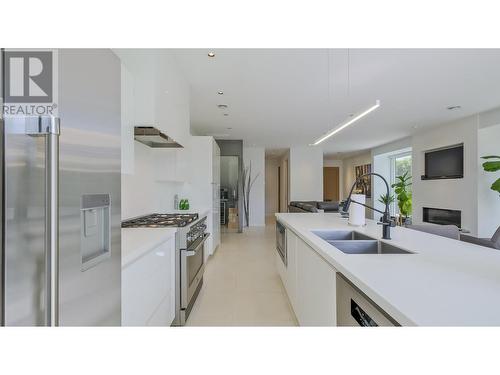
{"x": 148, "y": 288}
{"x": 291, "y": 270}
{"x": 310, "y": 283}
{"x": 316, "y": 289}
{"x": 280, "y": 266}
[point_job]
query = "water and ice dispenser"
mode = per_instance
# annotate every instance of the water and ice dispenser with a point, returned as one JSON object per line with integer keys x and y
{"x": 95, "y": 237}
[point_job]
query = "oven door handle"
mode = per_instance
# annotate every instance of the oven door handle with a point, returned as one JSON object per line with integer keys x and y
{"x": 192, "y": 252}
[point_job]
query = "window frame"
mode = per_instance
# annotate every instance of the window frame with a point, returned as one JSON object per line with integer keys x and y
{"x": 392, "y": 159}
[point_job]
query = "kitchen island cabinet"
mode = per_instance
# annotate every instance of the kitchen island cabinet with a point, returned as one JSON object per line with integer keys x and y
{"x": 432, "y": 281}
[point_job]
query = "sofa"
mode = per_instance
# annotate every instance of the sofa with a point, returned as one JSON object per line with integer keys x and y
{"x": 493, "y": 242}
{"x": 313, "y": 206}
{"x": 449, "y": 231}
{"x": 452, "y": 231}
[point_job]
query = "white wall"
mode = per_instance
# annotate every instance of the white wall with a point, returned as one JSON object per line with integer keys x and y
{"x": 457, "y": 194}
{"x": 139, "y": 195}
{"x": 488, "y": 200}
{"x": 256, "y": 156}
{"x": 271, "y": 183}
{"x": 381, "y": 163}
{"x": 337, "y": 163}
{"x": 306, "y": 173}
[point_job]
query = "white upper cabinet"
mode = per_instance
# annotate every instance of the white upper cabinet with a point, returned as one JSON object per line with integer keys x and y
{"x": 155, "y": 94}
{"x": 215, "y": 195}
{"x": 215, "y": 162}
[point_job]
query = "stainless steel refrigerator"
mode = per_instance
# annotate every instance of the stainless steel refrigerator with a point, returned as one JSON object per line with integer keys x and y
{"x": 61, "y": 246}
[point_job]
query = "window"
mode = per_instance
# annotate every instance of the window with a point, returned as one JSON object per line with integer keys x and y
{"x": 400, "y": 164}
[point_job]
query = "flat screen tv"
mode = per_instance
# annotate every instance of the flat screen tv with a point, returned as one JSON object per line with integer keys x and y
{"x": 444, "y": 163}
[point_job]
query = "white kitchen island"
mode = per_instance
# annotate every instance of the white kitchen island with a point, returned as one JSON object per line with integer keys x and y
{"x": 444, "y": 283}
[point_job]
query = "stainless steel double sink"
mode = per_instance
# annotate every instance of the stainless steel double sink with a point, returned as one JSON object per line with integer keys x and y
{"x": 351, "y": 242}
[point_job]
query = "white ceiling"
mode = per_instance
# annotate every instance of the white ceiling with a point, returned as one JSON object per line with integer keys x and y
{"x": 281, "y": 97}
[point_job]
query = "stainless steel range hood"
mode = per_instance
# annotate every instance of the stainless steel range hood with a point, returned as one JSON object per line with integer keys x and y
{"x": 153, "y": 137}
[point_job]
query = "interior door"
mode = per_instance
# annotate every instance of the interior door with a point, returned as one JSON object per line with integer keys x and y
{"x": 331, "y": 184}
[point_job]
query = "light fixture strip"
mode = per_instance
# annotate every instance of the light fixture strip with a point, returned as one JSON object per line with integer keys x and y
{"x": 346, "y": 124}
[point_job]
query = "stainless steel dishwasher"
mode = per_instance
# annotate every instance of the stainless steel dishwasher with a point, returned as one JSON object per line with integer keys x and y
{"x": 355, "y": 309}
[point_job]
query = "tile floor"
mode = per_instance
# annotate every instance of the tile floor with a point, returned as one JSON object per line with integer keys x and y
{"x": 241, "y": 284}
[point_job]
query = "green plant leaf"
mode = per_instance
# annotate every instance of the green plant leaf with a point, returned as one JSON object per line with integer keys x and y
{"x": 491, "y": 166}
{"x": 490, "y": 157}
{"x": 496, "y": 186}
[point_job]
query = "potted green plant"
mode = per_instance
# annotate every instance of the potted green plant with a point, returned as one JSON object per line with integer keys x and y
{"x": 492, "y": 166}
{"x": 386, "y": 199}
{"x": 403, "y": 195}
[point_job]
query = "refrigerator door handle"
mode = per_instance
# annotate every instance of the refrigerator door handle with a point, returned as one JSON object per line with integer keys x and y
{"x": 51, "y": 132}
{"x": 32, "y": 125}
{"x": 49, "y": 128}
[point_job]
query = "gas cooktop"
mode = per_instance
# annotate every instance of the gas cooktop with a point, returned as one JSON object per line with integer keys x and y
{"x": 160, "y": 220}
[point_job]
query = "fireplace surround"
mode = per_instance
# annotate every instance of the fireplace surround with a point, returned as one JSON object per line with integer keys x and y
{"x": 442, "y": 216}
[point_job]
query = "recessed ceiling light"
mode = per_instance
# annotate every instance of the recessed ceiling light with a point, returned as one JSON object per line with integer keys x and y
{"x": 211, "y": 54}
{"x": 222, "y": 106}
{"x": 453, "y": 107}
{"x": 220, "y": 92}
{"x": 229, "y": 128}
{"x": 226, "y": 114}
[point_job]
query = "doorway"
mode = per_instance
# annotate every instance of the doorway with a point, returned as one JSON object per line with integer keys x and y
{"x": 331, "y": 184}
{"x": 229, "y": 193}
{"x": 284, "y": 186}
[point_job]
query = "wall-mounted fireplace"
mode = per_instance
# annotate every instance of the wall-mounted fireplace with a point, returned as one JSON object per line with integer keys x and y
{"x": 442, "y": 216}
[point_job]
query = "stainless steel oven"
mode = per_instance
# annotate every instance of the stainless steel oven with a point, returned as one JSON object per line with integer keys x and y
{"x": 192, "y": 266}
{"x": 281, "y": 241}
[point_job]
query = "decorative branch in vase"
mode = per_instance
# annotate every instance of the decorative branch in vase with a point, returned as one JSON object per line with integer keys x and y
{"x": 246, "y": 183}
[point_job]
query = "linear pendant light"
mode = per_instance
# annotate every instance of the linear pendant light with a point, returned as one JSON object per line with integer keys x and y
{"x": 345, "y": 124}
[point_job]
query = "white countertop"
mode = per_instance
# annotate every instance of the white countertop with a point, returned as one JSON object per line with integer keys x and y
{"x": 446, "y": 283}
{"x": 138, "y": 241}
